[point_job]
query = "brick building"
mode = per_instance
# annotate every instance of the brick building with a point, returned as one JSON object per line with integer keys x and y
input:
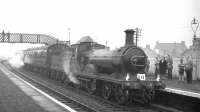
{"x": 173, "y": 49}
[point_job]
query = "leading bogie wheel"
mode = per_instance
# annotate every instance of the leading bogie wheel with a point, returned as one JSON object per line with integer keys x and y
{"x": 121, "y": 95}
{"x": 146, "y": 95}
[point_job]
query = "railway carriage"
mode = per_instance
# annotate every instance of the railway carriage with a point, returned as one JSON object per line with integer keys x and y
{"x": 35, "y": 58}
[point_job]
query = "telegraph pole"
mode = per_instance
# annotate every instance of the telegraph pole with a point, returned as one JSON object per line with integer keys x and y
{"x": 138, "y": 33}
{"x": 69, "y": 35}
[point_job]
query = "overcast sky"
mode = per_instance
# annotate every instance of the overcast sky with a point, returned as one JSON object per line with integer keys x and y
{"x": 103, "y": 20}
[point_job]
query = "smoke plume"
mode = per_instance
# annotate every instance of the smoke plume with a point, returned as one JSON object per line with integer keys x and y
{"x": 102, "y": 52}
{"x": 68, "y": 68}
{"x": 16, "y": 60}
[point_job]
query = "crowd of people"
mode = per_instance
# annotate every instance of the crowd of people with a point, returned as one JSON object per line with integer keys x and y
{"x": 164, "y": 65}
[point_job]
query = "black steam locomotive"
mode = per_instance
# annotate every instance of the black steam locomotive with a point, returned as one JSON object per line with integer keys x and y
{"x": 119, "y": 74}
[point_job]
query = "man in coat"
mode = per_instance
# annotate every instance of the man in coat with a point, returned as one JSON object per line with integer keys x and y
{"x": 169, "y": 66}
{"x": 188, "y": 69}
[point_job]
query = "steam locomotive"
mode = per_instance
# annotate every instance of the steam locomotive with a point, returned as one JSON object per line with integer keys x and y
{"x": 118, "y": 74}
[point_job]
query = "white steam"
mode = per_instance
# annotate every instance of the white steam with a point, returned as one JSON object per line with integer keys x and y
{"x": 68, "y": 68}
{"x": 16, "y": 60}
{"x": 102, "y": 52}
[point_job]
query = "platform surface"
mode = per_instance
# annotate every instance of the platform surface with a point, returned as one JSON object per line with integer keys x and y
{"x": 182, "y": 87}
{"x": 17, "y": 96}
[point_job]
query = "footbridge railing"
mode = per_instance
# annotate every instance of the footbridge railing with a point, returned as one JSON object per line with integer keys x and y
{"x": 27, "y": 38}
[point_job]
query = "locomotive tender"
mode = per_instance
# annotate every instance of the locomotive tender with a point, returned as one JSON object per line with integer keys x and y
{"x": 119, "y": 74}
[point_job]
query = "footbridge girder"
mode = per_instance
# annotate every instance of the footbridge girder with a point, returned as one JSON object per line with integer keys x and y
{"x": 28, "y": 38}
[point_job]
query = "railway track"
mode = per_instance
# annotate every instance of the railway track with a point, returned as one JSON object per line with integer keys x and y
{"x": 75, "y": 104}
{"x": 80, "y": 100}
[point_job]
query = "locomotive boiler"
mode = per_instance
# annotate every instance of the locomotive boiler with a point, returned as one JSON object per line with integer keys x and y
{"x": 119, "y": 74}
{"x": 128, "y": 59}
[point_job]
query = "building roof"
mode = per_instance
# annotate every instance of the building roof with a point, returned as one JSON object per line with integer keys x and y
{"x": 85, "y": 39}
{"x": 173, "y": 49}
{"x": 170, "y": 46}
{"x": 37, "y": 48}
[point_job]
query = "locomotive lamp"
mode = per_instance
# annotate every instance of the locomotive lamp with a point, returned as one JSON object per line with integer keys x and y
{"x": 141, "y": 77}
{"x": 194, "y": 26}
{"x": 127, "y": 77}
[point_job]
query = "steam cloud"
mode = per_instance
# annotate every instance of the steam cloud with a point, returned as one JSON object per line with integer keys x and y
{"x": 68, "y": 68}
{"x": 16, "y": 60}
{"x": 71, "y": 68}
{"x": 102, "y": 52}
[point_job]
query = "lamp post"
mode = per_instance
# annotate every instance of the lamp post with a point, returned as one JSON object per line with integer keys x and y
{"x": 69, "y": 35}
{"x": 194, "y": 26}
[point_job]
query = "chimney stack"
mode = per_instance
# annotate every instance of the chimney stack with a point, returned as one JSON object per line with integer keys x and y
{"x": 129, "y": 37}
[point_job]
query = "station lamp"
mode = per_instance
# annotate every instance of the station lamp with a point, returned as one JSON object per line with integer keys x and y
{"x": 194, "y": 26}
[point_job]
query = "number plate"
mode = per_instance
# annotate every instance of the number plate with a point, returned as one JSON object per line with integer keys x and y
{"x": 141, "y": 76}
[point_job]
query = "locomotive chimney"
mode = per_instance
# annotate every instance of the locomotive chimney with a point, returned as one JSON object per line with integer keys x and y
{"x": 129, "y": 37}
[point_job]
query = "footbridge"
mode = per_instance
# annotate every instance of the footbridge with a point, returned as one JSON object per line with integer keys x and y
{"x": 28, "y": 38}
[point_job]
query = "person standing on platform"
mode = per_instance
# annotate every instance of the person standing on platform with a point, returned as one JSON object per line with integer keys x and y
{"x": 165, "y": 65}
{"x": 188, "y": 69}
{"x": 169, "y": 66}
{"x": 162, "y": 66}
{"x": 157, "y": 68}
{"x": 181, "y": 67}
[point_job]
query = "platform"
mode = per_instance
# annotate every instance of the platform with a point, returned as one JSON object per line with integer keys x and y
{"x": 17, "y": 95}
{"x": 183, "y": 88}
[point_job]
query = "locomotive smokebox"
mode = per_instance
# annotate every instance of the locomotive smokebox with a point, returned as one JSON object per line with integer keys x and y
{"x": 129, "y": 37}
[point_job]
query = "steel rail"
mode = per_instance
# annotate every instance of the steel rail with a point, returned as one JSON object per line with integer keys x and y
{"x": 107, "y": 106}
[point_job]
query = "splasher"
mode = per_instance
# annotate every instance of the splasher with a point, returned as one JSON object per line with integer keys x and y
{"x": 16, "y": 60}
{"x": 66, "y": 67}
